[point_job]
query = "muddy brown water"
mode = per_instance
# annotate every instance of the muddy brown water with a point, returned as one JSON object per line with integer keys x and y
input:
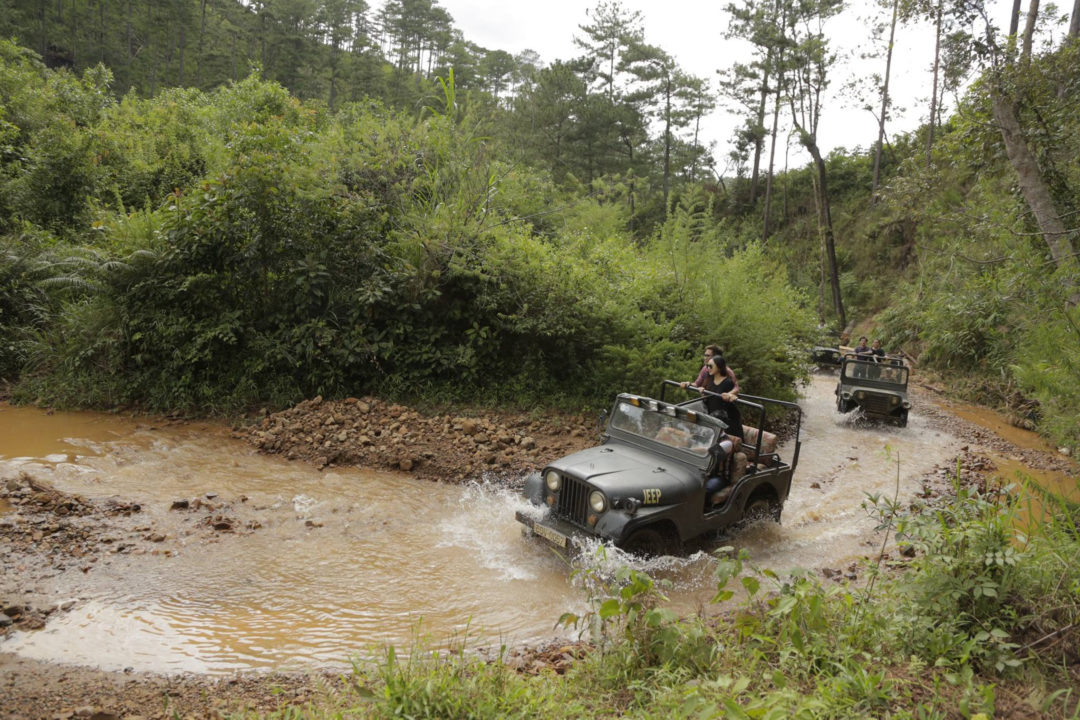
{"x": 347, "y": 561}
{"x": 1033, "y": 507}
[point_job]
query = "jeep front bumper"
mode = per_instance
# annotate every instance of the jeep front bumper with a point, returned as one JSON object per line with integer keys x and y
{"x": 556, "y": 533}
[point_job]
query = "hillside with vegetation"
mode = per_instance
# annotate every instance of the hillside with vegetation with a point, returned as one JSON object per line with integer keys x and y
{"x": 210, "y": 206}
{"x": 181, "y": 233}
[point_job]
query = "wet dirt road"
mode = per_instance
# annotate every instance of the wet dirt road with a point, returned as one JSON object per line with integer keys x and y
{"x": 343, "y": 561}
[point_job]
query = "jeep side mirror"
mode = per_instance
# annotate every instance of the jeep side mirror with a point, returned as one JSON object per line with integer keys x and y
{"x": 601, "y": 422}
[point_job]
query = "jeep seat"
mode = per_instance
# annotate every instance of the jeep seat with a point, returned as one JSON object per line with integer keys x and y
{"x": 737, "y": 469}
{"x": 768, "y": 445}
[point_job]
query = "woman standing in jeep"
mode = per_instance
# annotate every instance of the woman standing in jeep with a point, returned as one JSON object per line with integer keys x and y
{"x": 711, "y": 351}
{"x": 722, "y": 404}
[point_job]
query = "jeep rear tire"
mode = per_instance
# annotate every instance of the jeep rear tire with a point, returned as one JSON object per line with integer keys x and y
{"x": 760, "y": 508}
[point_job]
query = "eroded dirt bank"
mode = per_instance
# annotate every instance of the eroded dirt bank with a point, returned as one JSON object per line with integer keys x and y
{"x": 451, "y": 448}
{"x": 45, "y": 532}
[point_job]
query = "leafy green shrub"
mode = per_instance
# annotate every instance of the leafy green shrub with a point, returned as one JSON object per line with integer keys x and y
{"x": 249, "y": 248}
{"x": 962, "y": 599}
{"x": 48, "y": 170}
{"x": 963, "y": 329}
{"x": 147, "y": 149}
{"x": 24, "y": 305}
{"x": 739, "y": 300}
{"x": 981, "y": 591}
{"x": 1048, "y": 368}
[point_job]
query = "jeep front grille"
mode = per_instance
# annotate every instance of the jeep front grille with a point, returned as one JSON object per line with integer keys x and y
{"x": 878, "y": 404}
{"x": 573, "y": 500}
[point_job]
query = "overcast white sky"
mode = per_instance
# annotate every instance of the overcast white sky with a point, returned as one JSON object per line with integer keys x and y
{"x": 692, "y": 32}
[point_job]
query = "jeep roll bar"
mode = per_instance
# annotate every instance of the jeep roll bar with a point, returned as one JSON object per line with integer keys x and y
{"x": 798, "y": 423}
{"x": 758, "y": 403}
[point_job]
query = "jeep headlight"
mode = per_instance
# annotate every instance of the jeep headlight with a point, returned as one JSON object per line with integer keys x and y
{"x": 553, "y": 480}
{"x": 597, "y": 501}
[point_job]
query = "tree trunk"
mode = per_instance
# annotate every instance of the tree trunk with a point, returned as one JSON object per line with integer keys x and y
{"x": 934, "y": 94}
{"x": 822, "y": 263}
{"x": 1032, "y": 186}
{"x": 884, "y": 103}
{"x": 101, "y": 31}
{"x": 758, "y": 140}
{"x": 43, "y": 17}
{"x": 263, "y": 45}
{"x": 1014, "y": 19}
{"x": 1074, "y": 23}
{"x": 778, "y": 98}
{"x": 697, "y": 133}
{"x": 1029, "y": 30}
{"x": 335, "y": 59}
{"x": 785, "y": 211}
{"x": 180, "y": 54}
{"x": 74, "y": 35}
{"x": 199, "y": 50}
{"x": 127, "y": 32}
{"x": 772, "y": 164}
{"x": 667, "y": 140}
{"x": 150, "y": 48}
{"x": 825, "y": 224}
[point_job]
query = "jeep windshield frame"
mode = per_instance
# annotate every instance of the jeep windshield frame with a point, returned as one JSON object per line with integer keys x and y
{"x": 665, "y": 427}
{"x": 887, "y": 373}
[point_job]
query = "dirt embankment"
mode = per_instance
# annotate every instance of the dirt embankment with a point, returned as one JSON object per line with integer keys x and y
{"x": 372, "y": 433}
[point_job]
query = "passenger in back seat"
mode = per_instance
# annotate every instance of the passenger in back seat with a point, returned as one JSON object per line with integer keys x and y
{"x": 722, "y": 478}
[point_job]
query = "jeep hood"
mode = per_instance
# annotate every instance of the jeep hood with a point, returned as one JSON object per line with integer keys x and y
{"x": 617, "y": 468}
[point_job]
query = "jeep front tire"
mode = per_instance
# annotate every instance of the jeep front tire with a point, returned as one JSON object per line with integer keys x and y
{"x": 648, "y": 542}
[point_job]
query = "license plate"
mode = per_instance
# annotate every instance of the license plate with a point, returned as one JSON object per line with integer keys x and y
{"x": 552, "y": 536}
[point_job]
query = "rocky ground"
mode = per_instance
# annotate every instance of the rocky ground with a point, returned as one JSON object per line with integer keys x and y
{"x": 448, "y": 447}
{"x": 44, "y": 532}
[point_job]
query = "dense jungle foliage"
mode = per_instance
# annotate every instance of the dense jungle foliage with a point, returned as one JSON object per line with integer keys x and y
{"x": 512, "y": 235}
{"x": 211, "y": 251}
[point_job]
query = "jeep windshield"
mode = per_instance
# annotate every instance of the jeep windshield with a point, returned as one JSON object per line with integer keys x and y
{"x": 859, "y": 370}
{"x": 662, "y": 423}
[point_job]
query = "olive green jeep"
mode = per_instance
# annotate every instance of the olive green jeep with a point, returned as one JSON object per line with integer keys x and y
{"x": 877, "y": 385}
{"x": 824, "y": 356}
{"x": 643, "y": 488}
